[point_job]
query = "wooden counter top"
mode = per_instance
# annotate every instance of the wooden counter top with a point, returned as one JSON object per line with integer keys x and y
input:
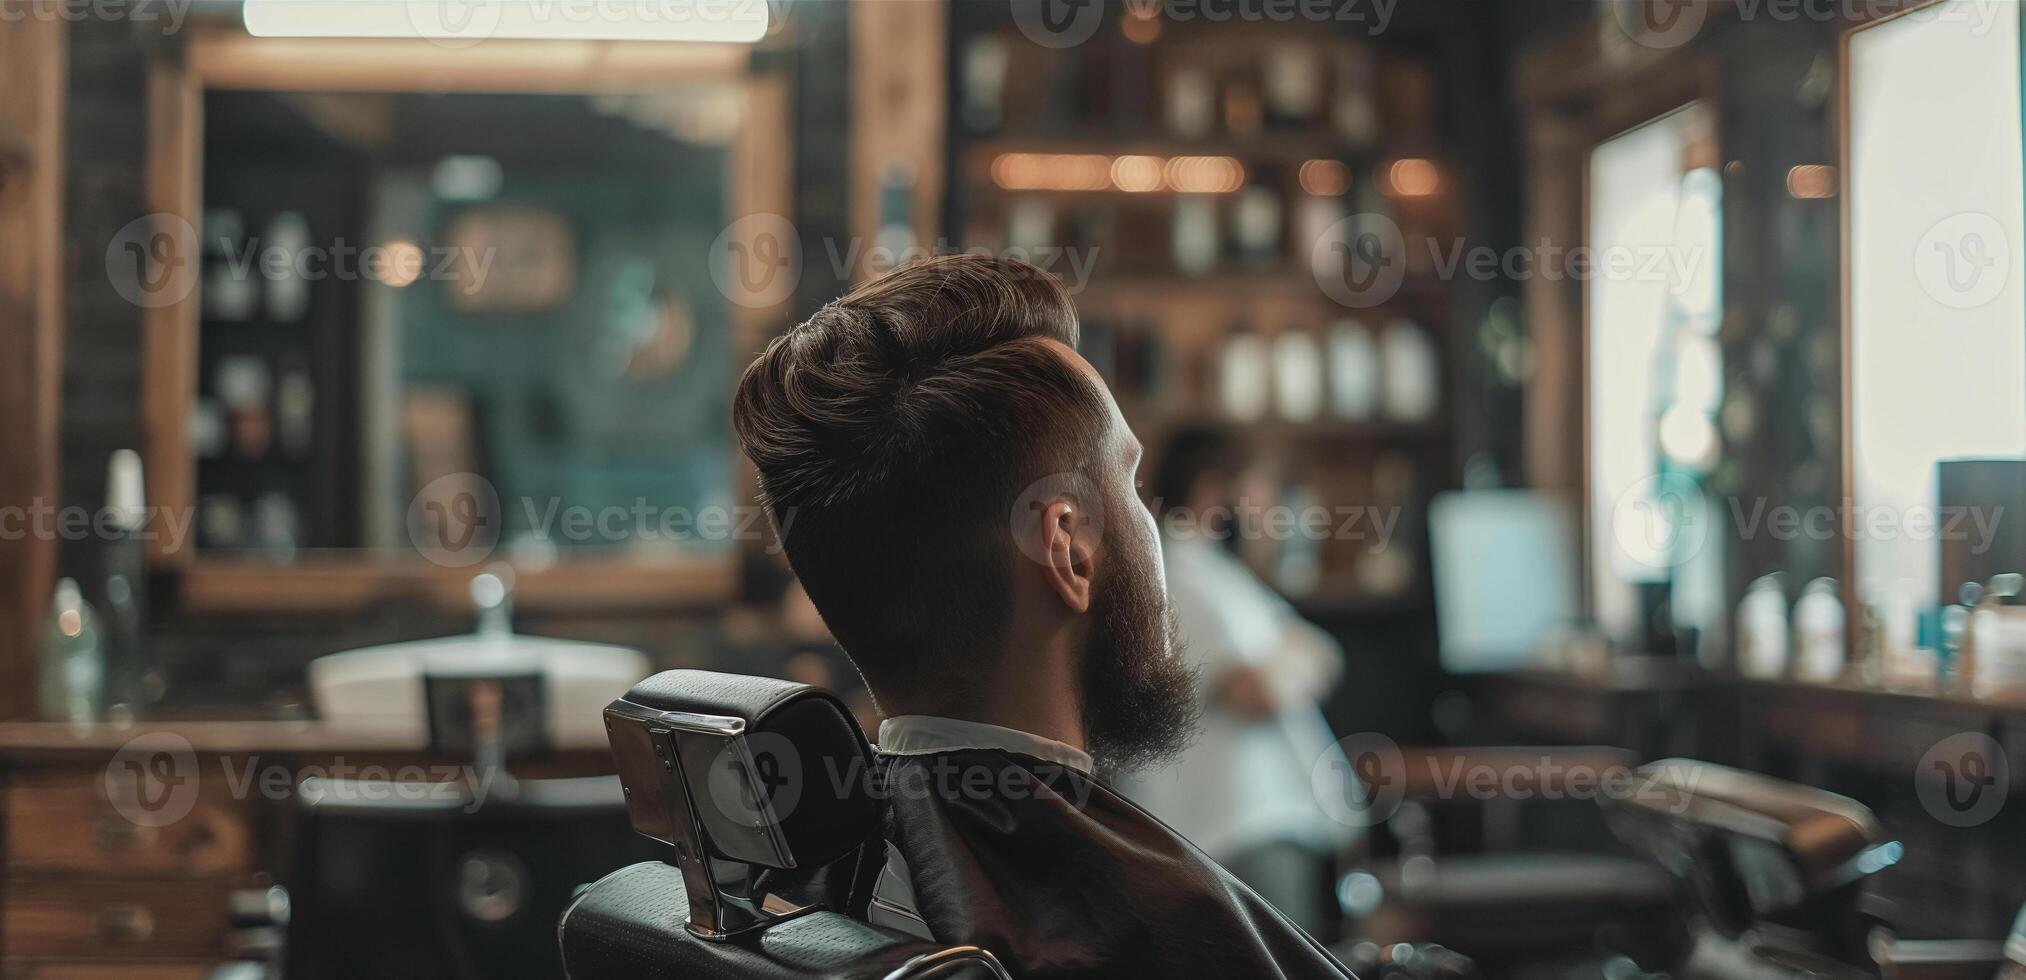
{"x": 1651, "y": 674}
{"x": 18, "y": 738}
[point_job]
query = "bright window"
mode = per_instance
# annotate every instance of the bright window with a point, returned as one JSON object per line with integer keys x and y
{"x": 1655, "y": 371}
{"x": 1937, "y": 315}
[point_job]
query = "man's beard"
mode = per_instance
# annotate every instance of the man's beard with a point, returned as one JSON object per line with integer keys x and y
{"x": 1139, "y": 696}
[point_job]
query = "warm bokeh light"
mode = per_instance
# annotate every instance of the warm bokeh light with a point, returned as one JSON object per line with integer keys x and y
{"x": 1325, "y": 178}
{"x": 1812, "y": 181}
{"x": 1138, "y": 174}
{"x": 1052, "y": 171}
{"x": 1413, "y": 177}
{"x": 1205, "y": 175}
{"x": 404, "y": 263}
{"x": 1142, "y": 25}
{"x": 1135, "y": 173}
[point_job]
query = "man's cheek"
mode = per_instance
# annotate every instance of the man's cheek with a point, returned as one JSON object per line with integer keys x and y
{"x": 1150, "y": 533}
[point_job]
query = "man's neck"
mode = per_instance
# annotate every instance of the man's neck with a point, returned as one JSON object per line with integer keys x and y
{"x": 1034, "y": 690}
{"x": 1057, "y": 719}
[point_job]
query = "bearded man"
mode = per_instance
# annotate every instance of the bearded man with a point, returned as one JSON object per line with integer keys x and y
{"x": 956, "y": 492}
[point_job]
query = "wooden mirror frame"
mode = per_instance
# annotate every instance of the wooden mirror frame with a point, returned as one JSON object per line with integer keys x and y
{"x": 220, "y": 57}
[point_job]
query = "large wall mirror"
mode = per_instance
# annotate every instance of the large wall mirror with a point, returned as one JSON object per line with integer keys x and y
{"x": 1936, "y": 302}
{"x": 1654, "y": 372}
{"x": 453, "y": 312}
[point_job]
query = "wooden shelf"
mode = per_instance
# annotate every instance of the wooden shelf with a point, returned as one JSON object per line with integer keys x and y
{"x": 1272, "y": 146}
{"x": 1323, "y": 430}
{"x": 1278, "y": 282}
{"x": 341, "y": 581}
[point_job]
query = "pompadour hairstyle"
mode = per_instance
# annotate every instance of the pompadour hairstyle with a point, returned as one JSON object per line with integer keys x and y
{"x": 893, "y": 431}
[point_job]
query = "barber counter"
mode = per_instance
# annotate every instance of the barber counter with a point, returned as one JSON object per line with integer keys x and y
{"x": 154, "y": 850}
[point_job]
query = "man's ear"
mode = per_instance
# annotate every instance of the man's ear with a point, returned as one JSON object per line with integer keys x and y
{"x": 1068, "y": 544}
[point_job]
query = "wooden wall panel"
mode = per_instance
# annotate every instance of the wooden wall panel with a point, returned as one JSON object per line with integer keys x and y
{"x": 33, "y": 74}
{"x": 899, "y": 83}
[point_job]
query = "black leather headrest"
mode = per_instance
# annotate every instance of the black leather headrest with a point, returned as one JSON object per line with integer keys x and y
{"x": 776, "y": 772}
{"x": 1753, "y": 844}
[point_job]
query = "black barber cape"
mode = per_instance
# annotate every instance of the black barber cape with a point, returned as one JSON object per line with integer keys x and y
{"x": 1061, "y": 877}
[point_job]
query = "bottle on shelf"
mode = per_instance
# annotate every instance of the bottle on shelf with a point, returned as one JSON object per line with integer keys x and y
{"x": 1818, "y": 633}
{"x": 130, "y": 678}
{"x": 1292, "y": 77}
{"x": 1256, "y": 226}
{"x": 294, "y": 412}
{"x": 1030, "y": 223}
{"x": 1194, "y": 240}
{"x": 1353, "y": 110}
{"x": 1245, "y": 376}
{"x": 1298, "y": 568}
{"x": 1191, "y": 102}
{"x": 277, "y": 526}
{"x": 245, "y": 384}
{"x": 1999, "y": 627}
{"x": 1353, "y": 371}
{"x": 1315, "y": 216}
{"x": 1762, "y": 629}
{"x": 984, "y": 83}
{"x": 1411, "y": 378}
{"x": 73, "y": 674}
{"x": 231, "y": 286}
{"x": 1244, "y": 112}
{"x": 1298, "y": 375}
{"x": 288, "y": 294}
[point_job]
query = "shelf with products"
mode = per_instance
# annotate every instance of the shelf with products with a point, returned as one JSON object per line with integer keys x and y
{"x": 1150, "y": 74}
{"x": 1318, "y": 434}
{"x": 1285, "y": 148}
{"x": 1163, "y": 148}
{"x": 1204, "y": 194}
{"x": 269, "y": 427}
{"x": 1350, "y": 422}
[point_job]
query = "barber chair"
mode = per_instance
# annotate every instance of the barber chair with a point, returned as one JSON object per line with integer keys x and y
{"x": 758, "y": 794}
{"x": 446, "y": 880}
{"x": 1775, "y": 874}
{"x": 457, "y": 878}
{"x": 1502, "y": 879}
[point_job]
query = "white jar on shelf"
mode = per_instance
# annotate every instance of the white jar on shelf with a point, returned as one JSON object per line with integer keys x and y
{"x": 1818, "y": 633}
{"x": 1353, "y": 371}
{"x": 1762, "y": 629}
{"x": 1411, "y": 379}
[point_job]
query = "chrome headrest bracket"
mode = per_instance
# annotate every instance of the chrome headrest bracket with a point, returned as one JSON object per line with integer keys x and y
{"x": 659, "y": 755}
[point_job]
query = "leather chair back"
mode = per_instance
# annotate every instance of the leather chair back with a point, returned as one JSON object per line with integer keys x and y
{"x": 761, "y": 791}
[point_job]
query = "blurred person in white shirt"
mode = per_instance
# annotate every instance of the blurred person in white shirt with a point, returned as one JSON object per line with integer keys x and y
{"x": 1242, "y": 792}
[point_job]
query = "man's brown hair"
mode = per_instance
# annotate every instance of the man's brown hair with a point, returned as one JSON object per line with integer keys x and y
{"x": 893, "y": 432}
